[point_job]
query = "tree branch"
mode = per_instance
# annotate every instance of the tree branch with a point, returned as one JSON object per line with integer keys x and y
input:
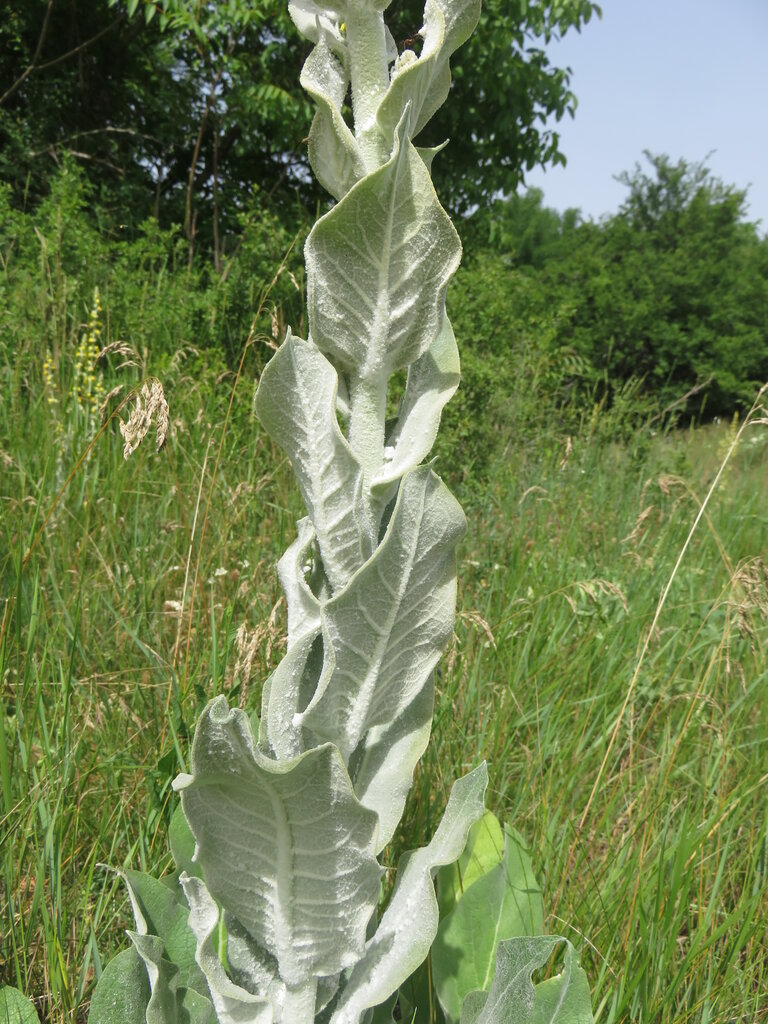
{"x": 34, "y": 66}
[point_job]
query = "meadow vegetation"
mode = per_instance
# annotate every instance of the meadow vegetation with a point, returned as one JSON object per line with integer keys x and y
{"x": 636, "y": 775}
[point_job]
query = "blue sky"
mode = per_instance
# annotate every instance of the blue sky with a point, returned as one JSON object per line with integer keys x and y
{"x": 681, "y": 77}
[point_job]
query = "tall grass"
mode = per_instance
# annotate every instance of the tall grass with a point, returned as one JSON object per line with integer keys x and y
{"x": 128, "y": 615}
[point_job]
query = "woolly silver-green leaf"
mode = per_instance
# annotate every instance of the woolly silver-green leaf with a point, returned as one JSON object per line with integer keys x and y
{"x": 233, "y": 1004}
{"x": 409, "y": 923}
{"x": 286, "y": 693}
{"x": 293, "y": 569}
{"x": 421, "y": 84}
{"x": 285, "y": 846}
{"x": 513, "y": 998}
{"x": 378, "y": 266}
{"x": 432, "y": 381}
{"x": 296, "y": 403}
{"x": 385, "y": 632}
{"x": 334, "y": 154}
{"x": 170, "y": 1000}
{"x": 383, "y": 768}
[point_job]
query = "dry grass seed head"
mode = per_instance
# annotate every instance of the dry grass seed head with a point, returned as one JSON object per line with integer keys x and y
{"x": 181, "y": 355}
{"x": 150, "y": 403}
{"x": 120, "y": 348}
{"x": 103, "y": 408}
{"x": 638, "y": 528}
{"x": 248, "y": 642}
{"x": 594, "y": 587}
{"x": 480, "y": 624}
{"x": 567, "y": 453}
{"x": 748, "y": 600}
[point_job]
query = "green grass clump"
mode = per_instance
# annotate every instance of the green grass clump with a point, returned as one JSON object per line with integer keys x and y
{"x": 152, "y": 587}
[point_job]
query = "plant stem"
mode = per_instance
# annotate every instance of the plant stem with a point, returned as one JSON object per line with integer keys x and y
{"x": 367, "y": 400}
{"x": 299, "y": 1003}
{"x": 369, "y": 73}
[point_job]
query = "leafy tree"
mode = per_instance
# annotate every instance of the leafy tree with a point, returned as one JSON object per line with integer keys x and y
{"x": 680, "y": 292}
{"x": 159, "y": 120}
{"x": 671, "y": 292}
{"x": 177, "y": 107}
{"x": 528, "y": 233}
{"x": 79, "y": 79}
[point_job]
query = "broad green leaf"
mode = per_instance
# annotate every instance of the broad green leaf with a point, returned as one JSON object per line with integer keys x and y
{"x": 378, "y": 266}
{"x": 423, "y": 83}
{"x": 432, "y": 381}
{"x": 233, "y": 1004}
{"x": 501, "y": 903}
{"x": 285, "y": 846}
{"x": 385, "y": 632}
{"x": 122, "y": 993}
{"x": 513, "y": 999}
{"x": 296, "y": 402}
{"x": 408, "y": 925}
{"x": 303, "y": 606}
{"x": 159, "y": 913}
{"x": 564, "y": 999}
{"x": 333, "y": 152}
{"x": 382, "y": 771}
{"x": 16, "y": 1008}
{"x": 484, "y": 850}
{"x": 318, "y": 21}
{"x": 289, "y": 689}
{"x": 182, "y": 843}
{"x": 170, "y": 1002}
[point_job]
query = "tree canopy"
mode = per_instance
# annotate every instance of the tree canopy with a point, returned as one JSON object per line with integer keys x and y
{"x": 178, "y": 108}
{"x": 671, "y": 292}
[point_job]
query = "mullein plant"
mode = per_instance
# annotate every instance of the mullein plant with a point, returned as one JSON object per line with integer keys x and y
{"x": 275, "y": 912}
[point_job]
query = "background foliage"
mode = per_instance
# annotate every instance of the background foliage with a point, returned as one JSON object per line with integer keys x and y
{"x": 178, "y": 108}
{"x": 583, "y": 344}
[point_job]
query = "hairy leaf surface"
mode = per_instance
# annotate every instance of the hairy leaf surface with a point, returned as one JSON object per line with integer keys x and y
{"x": 377, "y": 268}
{"x": 388, "y": 628}
{"x": 513, "y": 998}
{"x": 233, "y": 1004}
{"x": 303, "y": 606}
{"x": 122, "y": 992}
{"x": 15, "y": 1008}
{"x": 333, "y": 151}
{"x": 409, "y": 923}
{"x": 423, "y": 83}
{"x": 286, "y": 693}
{"x": 285, "y": 846}
{"x": 383, "y": 772}
{"x": 158, "y": 912}
{"x": 170, "y": 1000}
{"x": 296, "y": 402}
{"x": 432, "y": 381}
